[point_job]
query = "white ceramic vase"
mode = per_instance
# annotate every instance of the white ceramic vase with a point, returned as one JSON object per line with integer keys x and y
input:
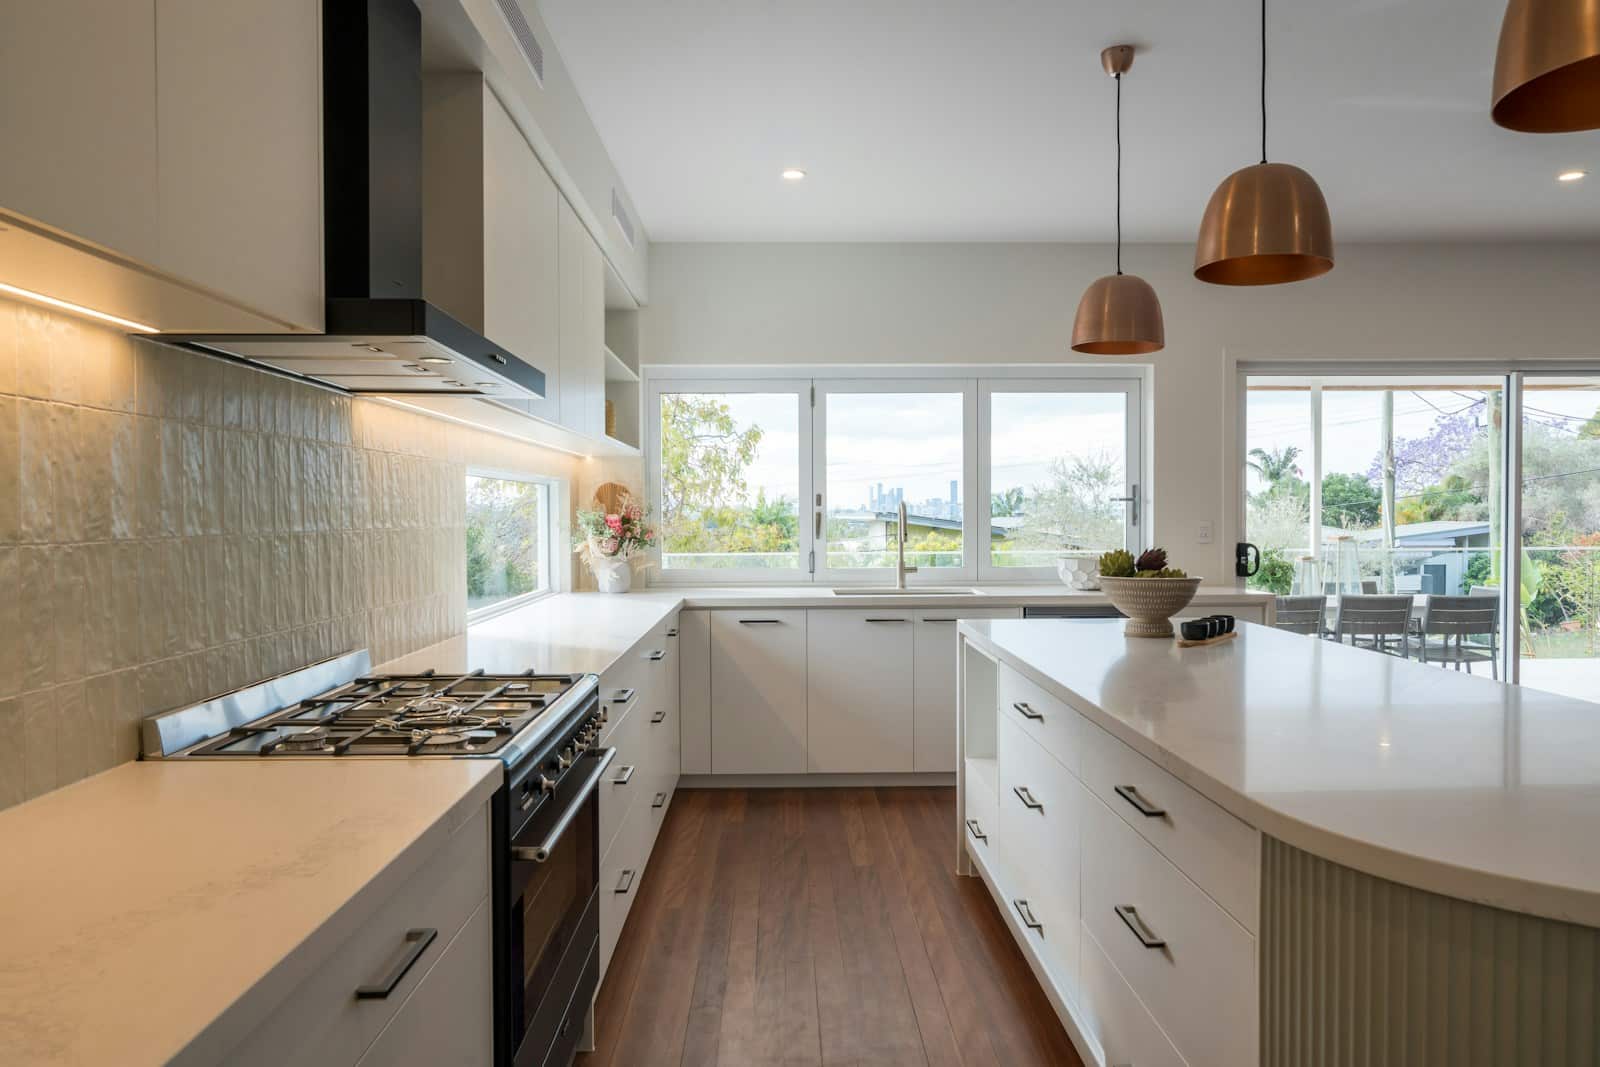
{"x": 612, "y": 574}
{"x": 1079, "y": 572}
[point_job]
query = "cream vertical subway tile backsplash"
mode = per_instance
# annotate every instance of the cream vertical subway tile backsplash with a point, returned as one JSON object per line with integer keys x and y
{"x": 173, "y": 526}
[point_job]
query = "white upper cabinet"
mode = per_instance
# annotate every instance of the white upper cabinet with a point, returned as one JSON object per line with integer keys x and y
{"x": 583, "y": 325}
{"x": 184, "y": 137}
{"x": 78, "y": 107}
{"x": 489, "y": 227}
{"x": 239, "y": 139}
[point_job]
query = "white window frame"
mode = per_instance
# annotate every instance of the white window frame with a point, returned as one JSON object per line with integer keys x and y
{"x": 1136, "y": 516}
{"x": 977, "y": 381}
{"x": 553, "y": 503}
{"x": 967, "y": 390}
{"x": 800, "y": 387}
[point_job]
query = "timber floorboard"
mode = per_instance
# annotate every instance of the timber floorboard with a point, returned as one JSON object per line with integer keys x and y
{"x": 817, "y": 927}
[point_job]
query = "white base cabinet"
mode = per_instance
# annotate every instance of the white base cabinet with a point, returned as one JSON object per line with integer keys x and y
{"x": 859, "y": 669}
{"x": 1123, "y": 886}
{"x": 758, "y": 691}
{"x": 640, "y": 696}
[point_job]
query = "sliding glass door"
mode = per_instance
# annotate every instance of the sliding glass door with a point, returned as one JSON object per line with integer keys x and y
{"x": 1559, "y": 594}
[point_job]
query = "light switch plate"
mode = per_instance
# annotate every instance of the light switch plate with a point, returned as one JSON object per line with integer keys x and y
{"x": 1203, "y": 533}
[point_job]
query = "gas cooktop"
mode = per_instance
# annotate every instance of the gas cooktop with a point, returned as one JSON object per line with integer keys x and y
{"x": 309, "y": 714}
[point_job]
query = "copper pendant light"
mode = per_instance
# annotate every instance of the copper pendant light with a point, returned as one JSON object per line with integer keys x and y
{"x": 1265, "y": 224}
{"x": 1119, "y": 314}
{"x": 1547, "y": 69}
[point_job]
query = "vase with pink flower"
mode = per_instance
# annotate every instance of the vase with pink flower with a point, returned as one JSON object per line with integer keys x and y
{"x": 614, "y": 543}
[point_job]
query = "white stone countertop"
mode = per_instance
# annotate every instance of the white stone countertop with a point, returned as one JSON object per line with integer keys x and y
{"x": 164, "y": 907}
{"x": 1433, "y": 778}
{"x": 587, "y": 632}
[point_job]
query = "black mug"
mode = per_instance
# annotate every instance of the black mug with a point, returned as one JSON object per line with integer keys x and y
{"x": 1246, "y": 559}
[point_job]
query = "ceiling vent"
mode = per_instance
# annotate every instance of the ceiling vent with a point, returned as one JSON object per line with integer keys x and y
{"x": 518, "y": 23}
{"x": 620, "y": 213}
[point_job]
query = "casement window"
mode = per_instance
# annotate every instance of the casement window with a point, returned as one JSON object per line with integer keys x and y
{"x": 759, "y": 478}
{"x": 510, "y": 530}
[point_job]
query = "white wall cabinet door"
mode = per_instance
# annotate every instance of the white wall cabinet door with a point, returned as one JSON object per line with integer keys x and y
{"x": 933, "y": 684}
{"x": 239, "y": 139}
{"x": 582, "y": 322}
{"x": 78, "y": 107}
{"x": 758, "y": 691}
{"x": 521, "y": 306}
{"x": 858, "y": 684}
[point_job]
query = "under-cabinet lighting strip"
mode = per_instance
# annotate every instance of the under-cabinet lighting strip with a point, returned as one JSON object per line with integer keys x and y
{"x": 76, "y": 309}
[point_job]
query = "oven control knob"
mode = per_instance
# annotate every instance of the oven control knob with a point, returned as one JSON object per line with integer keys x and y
{"x": 564, "y": 760}
{"x": 546, "y": 785}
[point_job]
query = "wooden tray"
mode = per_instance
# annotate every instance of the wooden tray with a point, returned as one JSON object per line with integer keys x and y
{"x": 1184, "y": 642}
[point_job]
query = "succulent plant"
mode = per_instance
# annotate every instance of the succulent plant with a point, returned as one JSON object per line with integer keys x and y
{"x": 1118, "y": 563}
{"x": 1151, "y": 559}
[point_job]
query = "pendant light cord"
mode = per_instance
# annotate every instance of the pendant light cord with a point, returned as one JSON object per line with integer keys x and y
{"x": 1119, "y": 173}
{"x": 1263, "y": 81}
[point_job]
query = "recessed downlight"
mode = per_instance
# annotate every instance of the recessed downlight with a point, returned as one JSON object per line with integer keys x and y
{"x": 793, "y": 174}
{"x": 1572, "y": 176}
{"x": 434, "y": 359}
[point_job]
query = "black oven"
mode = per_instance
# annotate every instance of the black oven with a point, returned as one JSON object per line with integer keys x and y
{"x": 548, "y": 930}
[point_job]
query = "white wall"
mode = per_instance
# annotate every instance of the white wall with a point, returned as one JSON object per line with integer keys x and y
{"x": 762, "y": 304}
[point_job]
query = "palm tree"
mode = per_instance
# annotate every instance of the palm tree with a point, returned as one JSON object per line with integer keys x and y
{"x": 1275, "y": 465}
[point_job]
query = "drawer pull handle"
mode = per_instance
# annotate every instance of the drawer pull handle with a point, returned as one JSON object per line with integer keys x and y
{"x": 977, "y": 831}
{"x": 1141, "y": 929}
{"x": 1026, "y": 914}
{"x": 760, "y": 622}
{"x": 672, "y": 632}
{"x": 661, "y": 798}
{"x": 926, "y": 619}
{"x": 886, "y": 620}
{"x": 1025, "y": 795}
{"x": 624, "y": 776}
{"x": 657, "y": 656}
{"x": 1027, "y": 711}
{"x": 1131, "y": 794}
{"x": 625, "y": 883}
{"x": 417, "y": 942}
{"x": 622, "y": 696}
{"x": 658, "y": 717}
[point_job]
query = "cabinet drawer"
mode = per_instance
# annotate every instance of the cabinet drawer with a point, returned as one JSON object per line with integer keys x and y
{"x": 619, "y": 694}
{"x": 1046, "y": 719}
{"x": 982, "y": 815}
{"x": 620, "y": 874}
{"x": 1115, "y": 1017}
{"x": 1040, "y": 815}
{"x": 1217, "y": 851}
{"x": 459, "y": 988}
{"x": 331, "y": 1025}
{"x": 1190, "y": 963}
{"x": 625, "y": 779}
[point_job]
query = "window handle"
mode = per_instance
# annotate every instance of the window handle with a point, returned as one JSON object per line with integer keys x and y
{"x": 1132, "y": 500}
{"x": 819, "y": 525}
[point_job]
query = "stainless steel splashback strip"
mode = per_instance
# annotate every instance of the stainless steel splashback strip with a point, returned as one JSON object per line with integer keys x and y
{"x": 170, "y": 732}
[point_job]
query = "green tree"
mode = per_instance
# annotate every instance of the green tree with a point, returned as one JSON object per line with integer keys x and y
{"x": 1275, "y": 465}
{"x": 1351, "y": 501}
{"x": 704, "y": 454}
{"x": 1452, "y": 498}
{"x": 1007, "y": 503}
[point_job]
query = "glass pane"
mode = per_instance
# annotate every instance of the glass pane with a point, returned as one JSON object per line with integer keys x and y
{"x": 505, "y": 534}
{"x": 1560, "y": 594}
{"x": 1056, "y": 463}
{"x": 730, "y": 481}
{"x": 1277, "y": 490}
{"x": 884, "y": 449}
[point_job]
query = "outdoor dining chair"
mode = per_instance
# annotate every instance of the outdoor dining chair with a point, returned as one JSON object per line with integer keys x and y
{"x": 1377, "y": 620}
{"x": 1301, "y": 614}
{"x": 1460, "y": 618}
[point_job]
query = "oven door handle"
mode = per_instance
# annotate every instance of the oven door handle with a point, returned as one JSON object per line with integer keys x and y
{"x": 541, "y": 852}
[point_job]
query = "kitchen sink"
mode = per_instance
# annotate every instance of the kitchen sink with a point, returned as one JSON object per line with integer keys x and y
{"x": 918, "y": 590}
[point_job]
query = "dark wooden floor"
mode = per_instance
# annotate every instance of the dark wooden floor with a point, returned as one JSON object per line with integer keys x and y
{"x": 817, "y": 926}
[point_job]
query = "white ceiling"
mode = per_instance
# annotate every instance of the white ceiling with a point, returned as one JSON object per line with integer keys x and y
{"x": 991, "y": 119}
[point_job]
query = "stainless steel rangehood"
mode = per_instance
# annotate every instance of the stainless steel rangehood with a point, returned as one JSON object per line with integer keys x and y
{"x": 381, "y": 335}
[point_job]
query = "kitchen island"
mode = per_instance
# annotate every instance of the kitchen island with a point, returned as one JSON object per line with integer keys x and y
{"x": 1280, "y": 850}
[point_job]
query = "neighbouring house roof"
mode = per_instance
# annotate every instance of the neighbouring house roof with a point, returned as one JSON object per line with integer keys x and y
{"x": 1444, "y": 533}
{"x": 927, "y": 522}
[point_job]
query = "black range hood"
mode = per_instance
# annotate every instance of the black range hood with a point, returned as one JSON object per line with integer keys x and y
{"x": 381, "y": 336}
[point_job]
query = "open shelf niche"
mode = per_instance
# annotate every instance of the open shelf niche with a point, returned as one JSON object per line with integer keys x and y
{"x": 622, "y": 363}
